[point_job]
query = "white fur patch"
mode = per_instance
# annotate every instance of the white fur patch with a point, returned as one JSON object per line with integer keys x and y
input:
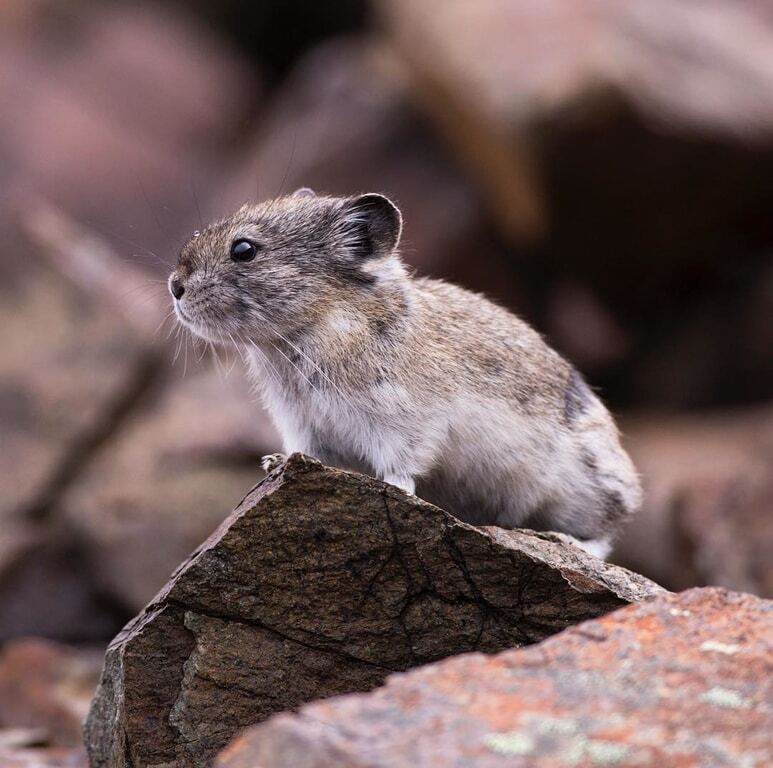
{"x": 386, "y": 269}
{"x": 342, "y": 321}
{"x": 599, "y": 548}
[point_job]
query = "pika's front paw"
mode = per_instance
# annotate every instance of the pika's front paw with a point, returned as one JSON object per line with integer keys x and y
{"x": 272, "y": 461}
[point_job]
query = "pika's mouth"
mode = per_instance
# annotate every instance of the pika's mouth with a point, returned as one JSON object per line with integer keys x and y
{"x": 195, "y": 324}
{"x": 178, "y": 308}
{"x": 189, "y": 322}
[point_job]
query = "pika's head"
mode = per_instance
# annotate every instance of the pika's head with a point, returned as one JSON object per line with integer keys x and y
{"x": 278, "y": 267}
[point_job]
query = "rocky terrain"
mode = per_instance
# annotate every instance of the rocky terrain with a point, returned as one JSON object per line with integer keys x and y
{"x": 601, "y": 167}
{"x": 602, "y": 693}
{"x": 323, "y": 582}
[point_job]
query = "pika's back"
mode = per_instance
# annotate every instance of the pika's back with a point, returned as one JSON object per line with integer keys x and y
{"x": 490, "y": 349}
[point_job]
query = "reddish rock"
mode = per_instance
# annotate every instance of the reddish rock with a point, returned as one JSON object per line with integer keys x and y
{"x": 683, "y": 680}
{"x": 46, "y": 687}
{"x": 323, "y": 582}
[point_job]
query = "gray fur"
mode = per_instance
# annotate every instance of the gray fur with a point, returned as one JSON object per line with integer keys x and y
{"x": 417, "y": 381}
{"x": 577, "y": 396}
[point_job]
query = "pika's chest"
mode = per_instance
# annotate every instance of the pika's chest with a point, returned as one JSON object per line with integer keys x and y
{"x": 342, "y": 421}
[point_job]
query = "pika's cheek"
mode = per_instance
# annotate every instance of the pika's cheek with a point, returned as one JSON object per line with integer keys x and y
{"x": 240, "y": 308}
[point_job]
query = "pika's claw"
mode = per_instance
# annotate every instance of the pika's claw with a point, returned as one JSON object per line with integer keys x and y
{"x": 272, "y": 461}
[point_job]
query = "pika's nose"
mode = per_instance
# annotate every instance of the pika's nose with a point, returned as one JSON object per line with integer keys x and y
{"x": 176, "y": 287}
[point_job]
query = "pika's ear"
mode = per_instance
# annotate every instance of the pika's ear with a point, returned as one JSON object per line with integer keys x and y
{"x": 374, "y": 223}
{"x": 304, "y": 192}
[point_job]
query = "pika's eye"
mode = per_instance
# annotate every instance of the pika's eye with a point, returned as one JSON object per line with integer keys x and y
{"x": 243, "y": 250}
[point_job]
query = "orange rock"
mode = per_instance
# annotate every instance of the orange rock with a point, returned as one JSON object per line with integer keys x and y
{"x": 682, "y": 680}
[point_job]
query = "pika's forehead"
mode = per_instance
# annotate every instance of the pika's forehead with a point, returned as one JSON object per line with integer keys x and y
{"x": 216, "y": 236}
{"x": 283, "y": 218}
{"x": 201, "y": 244}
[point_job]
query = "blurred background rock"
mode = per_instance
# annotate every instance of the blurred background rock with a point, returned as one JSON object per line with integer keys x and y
{"x": 602, "y": 167}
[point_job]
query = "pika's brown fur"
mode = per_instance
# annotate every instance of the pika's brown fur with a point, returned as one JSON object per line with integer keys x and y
{"x": 422, "y": 383}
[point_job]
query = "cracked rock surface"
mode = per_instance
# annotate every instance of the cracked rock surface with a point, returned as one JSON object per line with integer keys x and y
{"x": 683, "y": 680}
{"x": 323, "y": 582}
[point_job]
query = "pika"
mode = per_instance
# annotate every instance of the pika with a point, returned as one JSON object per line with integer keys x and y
{"x": 423, "y": 384}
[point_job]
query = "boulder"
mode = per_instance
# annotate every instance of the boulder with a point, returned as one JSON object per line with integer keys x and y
{"x": 680, "y": 680}
{"x": 323, "y": 582}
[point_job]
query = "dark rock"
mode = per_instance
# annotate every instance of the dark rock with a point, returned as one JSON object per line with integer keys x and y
{"x": 323, "y": 582}
{"x": 680, "y": 680}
